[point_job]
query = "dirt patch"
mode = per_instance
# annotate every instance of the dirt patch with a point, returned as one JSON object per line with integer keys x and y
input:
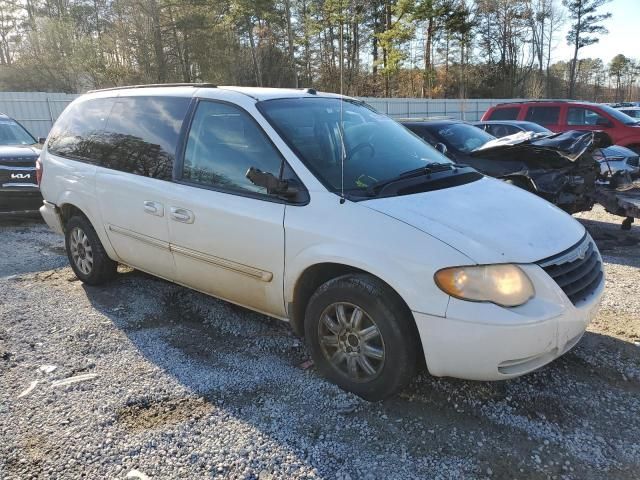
{"x": 146, "y": 414}
{"x": 48, "y": 250}
{"x": 621, "y": 325}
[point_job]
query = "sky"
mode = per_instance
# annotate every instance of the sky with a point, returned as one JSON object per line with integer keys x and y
{"x": 623, "y": 36}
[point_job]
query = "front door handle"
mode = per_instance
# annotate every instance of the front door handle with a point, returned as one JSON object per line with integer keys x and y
{"x": 153, "y": 208}
{"x": 182, "y": 215}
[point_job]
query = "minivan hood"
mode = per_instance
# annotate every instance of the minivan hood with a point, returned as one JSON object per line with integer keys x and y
{"x": 487, "y": 220}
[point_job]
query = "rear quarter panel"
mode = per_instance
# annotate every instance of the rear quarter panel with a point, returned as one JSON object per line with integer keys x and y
{"x": 70, "y": 182}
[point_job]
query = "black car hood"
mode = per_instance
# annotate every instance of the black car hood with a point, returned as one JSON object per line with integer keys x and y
{"x": 550, "y": 150}
{"x": 558, "y": 167}
{"x": 19, "y": 151}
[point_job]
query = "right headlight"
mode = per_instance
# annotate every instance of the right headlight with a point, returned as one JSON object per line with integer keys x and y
{"x": 505, "y": 285}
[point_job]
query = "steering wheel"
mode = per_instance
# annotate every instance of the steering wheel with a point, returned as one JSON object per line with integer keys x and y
{"x": 357, "y": 148}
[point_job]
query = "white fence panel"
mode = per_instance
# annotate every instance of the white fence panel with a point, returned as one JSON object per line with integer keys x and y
{"x": 460, "y": 109}
{"x": 35, "y": 110}
{"x": 38, "y": 110}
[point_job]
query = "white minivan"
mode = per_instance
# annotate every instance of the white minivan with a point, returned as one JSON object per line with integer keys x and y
{"x": 316, "y": 209}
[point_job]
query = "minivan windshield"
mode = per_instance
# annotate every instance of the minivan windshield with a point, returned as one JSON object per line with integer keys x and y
{"x": 327, "y": 132}
{"x": 12, "y": 133}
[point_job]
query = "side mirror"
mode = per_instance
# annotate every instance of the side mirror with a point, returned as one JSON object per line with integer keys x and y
{"x": 291, "y": 190}
{"x": 266, "y": 180}
{"x": 441, "y": 147}
{"x": 42, "y": 140}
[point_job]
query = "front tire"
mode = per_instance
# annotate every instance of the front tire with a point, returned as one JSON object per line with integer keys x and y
{"x": 360, "y": 336}
{"x": 87, "y": 256}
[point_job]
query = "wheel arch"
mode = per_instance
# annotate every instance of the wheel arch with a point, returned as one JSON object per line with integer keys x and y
{"x": 68, "y": 210}
{"x": 69, "y": 205}
{"x": 315, "y": 275}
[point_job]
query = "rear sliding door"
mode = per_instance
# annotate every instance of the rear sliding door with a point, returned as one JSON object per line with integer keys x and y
{"x": 138, "y": 150}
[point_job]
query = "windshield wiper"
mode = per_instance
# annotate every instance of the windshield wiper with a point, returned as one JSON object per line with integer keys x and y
{"x": 426, "y": 170}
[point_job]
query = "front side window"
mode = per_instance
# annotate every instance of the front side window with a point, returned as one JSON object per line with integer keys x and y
{"x": 12, "y": 133}
{"x": 345, "y": 140}
{"x": 223, "y": 143}
{"x": 585, "y": 116}
{"x": 141, "y": 135}
{"x": 461, "y": 136}
{"x": 75, "y": 132}
{"x": 543, "y": 115}
{"x": 498, "y": 130}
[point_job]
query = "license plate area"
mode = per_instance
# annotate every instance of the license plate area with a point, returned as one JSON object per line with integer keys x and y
{"x": 16, "y": 176}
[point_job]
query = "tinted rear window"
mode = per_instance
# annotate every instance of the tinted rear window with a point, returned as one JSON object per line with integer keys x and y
{"x": 510, "y": 113}
{"x": 74, "y": 134}
{"x": 543, "y": 115}
{"x": 132, "y": 134}
{"x": 141, "y": 135}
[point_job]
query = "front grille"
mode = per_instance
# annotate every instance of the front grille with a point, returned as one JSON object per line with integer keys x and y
{"x": 633, "y": 161}
{"x": 577, "y": 270}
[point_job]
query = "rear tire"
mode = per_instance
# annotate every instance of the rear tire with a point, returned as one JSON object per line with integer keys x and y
{"x": 361, "y": 336}
{"x": 87, "y": 256}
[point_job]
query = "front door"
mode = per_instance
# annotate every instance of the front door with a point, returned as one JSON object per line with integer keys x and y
{"x": 226, "y": 233}
{"x": 583, "y": 118}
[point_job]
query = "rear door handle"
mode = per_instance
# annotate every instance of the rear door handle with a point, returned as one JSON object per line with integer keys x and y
{"x": 182, "y": 215}
{"x": 153, "y": 208}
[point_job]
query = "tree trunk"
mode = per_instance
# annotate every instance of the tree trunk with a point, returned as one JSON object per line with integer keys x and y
{"x": 292, "y": 59}
{"x": 387, "y": 24}
{"x": 572, "y": 74}
{"x": 254, "y": 55}
{"x": 161, "y": 63}
{"x": 426, "y": 83}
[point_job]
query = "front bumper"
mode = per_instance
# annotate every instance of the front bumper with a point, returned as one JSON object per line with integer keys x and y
{"x": 20, "y": 200}
{"x": 482, "y": 341}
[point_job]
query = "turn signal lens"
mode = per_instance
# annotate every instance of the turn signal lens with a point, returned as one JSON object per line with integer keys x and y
{"x": 505, "y": 285}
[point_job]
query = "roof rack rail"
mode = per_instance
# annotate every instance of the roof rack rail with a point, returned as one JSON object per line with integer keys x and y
{"x": 157, "y": 85}
{"x": 541, "y": 100}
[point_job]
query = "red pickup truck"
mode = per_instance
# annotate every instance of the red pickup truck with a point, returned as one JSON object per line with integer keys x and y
{"x": 563, "y": 115}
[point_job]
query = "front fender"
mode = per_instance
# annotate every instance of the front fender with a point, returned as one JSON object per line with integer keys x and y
{"x": 411, "y": 281}
{"x": 355, "y": 236}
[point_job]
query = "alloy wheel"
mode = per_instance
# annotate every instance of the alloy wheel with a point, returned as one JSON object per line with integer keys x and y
{"x": 351, "y": 341}
{"x": 81, "y": 251}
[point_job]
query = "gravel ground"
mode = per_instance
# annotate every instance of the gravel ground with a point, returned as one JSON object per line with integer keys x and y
{"x": 170, "y": 383}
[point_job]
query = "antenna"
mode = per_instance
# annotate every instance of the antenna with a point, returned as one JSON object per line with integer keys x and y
{"x": 341, "y": 126}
